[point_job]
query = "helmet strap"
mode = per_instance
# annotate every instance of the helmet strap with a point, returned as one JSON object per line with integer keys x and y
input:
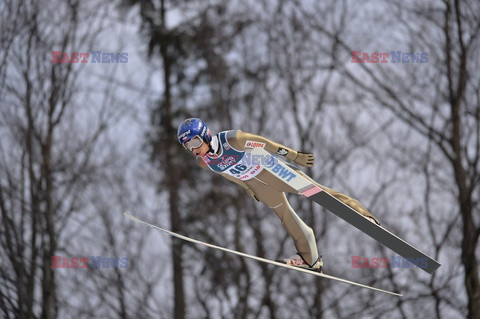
{"x": 210, "y": 149}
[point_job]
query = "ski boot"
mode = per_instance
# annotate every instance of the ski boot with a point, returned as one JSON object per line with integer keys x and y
{"x": 297, "y": 261}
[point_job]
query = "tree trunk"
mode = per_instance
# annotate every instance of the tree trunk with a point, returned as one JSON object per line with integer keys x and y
{"x": 172, "y": 173}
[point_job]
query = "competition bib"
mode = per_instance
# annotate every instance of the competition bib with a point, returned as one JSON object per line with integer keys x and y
{"x": 233, "y": 162}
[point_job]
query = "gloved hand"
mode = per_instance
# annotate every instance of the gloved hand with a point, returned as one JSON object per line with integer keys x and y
{"x": 251, "y": 194}
{"x": 305, "y": 159}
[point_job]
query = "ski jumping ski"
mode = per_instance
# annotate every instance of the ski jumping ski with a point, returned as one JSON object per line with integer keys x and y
{"x": 267, "y": 261}
{"x": 314, "y": 192}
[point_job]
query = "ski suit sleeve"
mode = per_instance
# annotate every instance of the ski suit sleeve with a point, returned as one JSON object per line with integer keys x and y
{"x": 230, "y": 178}
{"x": 243, "y": 140}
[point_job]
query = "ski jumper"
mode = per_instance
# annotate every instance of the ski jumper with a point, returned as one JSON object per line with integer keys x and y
{"x": 231, "y": 158}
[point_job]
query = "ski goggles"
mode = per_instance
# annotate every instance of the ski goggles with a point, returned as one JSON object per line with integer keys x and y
{"x": 195, "y": 142}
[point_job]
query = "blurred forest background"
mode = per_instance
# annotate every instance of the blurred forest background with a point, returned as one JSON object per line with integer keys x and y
{"x": 82, "y": 142}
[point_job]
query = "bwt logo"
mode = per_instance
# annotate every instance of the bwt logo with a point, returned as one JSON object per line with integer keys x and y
{"x": 278, "y": 169}
{"x": 382, "y": 57}
{"x": 83, "y": 262}
{"x": 396, "y": 262}
{"x": 82, "y": 57}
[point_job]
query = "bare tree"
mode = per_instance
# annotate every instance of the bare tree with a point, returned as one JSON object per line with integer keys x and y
{"x": 30, "y": 202}
{"x": 55, "y": 152}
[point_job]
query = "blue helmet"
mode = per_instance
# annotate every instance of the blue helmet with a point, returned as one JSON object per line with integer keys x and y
{"x": 193, "y": 127}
